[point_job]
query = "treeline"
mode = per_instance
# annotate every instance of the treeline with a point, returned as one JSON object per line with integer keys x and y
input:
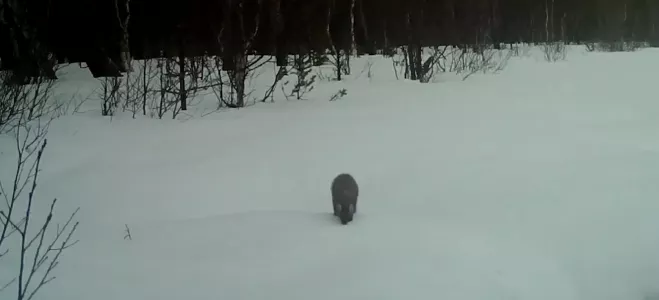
{"x": 106, "y": 34}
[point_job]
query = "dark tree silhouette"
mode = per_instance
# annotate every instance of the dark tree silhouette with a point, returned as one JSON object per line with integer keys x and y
{"x": 34, "y": 34}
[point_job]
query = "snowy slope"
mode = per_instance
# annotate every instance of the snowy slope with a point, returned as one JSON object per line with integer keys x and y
{"x": 539, "y": 182}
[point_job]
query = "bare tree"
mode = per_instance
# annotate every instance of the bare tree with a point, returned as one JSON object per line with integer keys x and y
{"x": 137, "y": 92}
{"x": 464, "y": 61}
{"x": 339, "y": 59}
{"x": 302, "y": 67}
{"x": 433, "y": 64}
{"x": 130, "y": 93}
{"x": 38, "y": 245}
{"x": 21, "y": 103}
{"x": 413, "y": 19}
{"x": 109, "y": 95}
{"x": 181, "y": 80}
{"x": 122, "y": 10}
{"x": 219, "y": 85}
{"x": 341, "y": 62}
{"x": 147, "y": 74}
{"x": 167, "y": 97}
{"x": 124, "y": 21}
{"x": 353, "y": 43}
{"x": 482, "y": 58}
{"x": 281, "y": 73}
{"x": 231, "y": 88}
{"x": 422, "y": 70}
{"x": 243, "y": 64}
{"x": 554, "y": 50}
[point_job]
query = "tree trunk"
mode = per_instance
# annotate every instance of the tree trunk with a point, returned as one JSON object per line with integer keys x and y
{"x": 182, "y": 91}
{"x": 239, "y": 77}
{"x": 352, "y": 28}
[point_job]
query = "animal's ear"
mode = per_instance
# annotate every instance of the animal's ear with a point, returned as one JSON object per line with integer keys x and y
{"x": 351, "y": 208}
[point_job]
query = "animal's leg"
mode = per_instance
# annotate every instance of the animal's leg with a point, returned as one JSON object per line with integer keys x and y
{"x": 335, "y": 207}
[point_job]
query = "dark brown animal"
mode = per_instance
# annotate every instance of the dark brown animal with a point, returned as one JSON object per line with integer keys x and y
{"x": 344, "y": 197}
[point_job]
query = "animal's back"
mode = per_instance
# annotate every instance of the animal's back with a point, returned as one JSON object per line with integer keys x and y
{"x": 345, "y": 185}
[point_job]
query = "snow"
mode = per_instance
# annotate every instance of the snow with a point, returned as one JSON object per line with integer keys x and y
{"x": 538, "y": 182}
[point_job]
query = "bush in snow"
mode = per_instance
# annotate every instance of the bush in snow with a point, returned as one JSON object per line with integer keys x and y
{"x": 20, "y": 103}
{"x": 614, "y": 46}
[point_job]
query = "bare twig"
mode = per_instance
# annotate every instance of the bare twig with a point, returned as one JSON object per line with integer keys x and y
{"x": 128, "y": 235}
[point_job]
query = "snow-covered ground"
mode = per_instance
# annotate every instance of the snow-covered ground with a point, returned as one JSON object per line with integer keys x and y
{"x": 539, "y": 182}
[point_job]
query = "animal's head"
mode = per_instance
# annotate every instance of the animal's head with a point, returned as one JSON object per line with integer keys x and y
{"x": 346, "y": 212}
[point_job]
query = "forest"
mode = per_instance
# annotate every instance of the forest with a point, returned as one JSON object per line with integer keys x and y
{"x": 37, "y": 34}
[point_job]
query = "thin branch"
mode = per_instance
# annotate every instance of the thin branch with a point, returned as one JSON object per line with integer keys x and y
{"x": 28, "y": 212}
{"x": 55, "y": 261}
{"x": 41, "y": 235}
{"x": 17, "y": 227}
{"x": 7, "y": 284}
